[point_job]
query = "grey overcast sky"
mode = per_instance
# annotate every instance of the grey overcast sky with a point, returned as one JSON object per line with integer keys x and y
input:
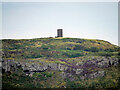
{"x": 91, "y": 20}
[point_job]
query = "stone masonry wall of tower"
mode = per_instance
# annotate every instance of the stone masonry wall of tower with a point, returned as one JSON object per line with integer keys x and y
{"x": 59, "y": 33}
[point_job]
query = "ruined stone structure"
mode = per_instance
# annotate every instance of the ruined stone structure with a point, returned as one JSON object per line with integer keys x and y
{"x": 59, "y": 32}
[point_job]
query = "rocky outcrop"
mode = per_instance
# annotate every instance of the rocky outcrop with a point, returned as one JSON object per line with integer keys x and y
{"x": 78, "y": 71}
{"x": 85, "y": 69}
{"x": 99, "y": 62}
{"x": 106, "y": 62}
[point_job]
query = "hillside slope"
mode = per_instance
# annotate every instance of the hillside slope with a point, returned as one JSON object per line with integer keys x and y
{"x": 60, "y": 63}
{"x": 57, "y": 48}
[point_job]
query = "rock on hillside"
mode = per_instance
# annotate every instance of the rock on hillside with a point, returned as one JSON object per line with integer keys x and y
{"x": 88, "y": 69}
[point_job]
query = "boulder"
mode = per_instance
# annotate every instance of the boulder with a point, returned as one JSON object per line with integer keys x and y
{"x": 78, "y": 71}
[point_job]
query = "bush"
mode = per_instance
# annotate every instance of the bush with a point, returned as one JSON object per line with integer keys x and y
{"x": 92, "y": 49}
{"x": 79, "y": 47}
{"x": 48, "y": 74}
{"x": 72, "y": 55}
{"x": 32, "y": 56}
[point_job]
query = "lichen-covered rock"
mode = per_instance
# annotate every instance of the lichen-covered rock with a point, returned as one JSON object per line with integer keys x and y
{"x": 97, "y": 74}
{"x": 105, "y": 62}
{"x": 53, "y": 66}
{"x": 78, "y": 71}
{"x": 70, "y": 76}
{"x": 91, "y": 68}
{"x": 82, "y": 77}
{"x": 79, "y": 63}
{"x": 62, "y": 67}
{"x": 63, "y": 75}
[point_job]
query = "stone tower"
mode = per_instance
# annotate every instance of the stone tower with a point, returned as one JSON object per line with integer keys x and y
{"x": 59, "y": 33}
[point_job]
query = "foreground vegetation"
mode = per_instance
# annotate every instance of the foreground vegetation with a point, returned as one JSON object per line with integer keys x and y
{"x": 64, "y": 51}
{"x": 53, "y": 80}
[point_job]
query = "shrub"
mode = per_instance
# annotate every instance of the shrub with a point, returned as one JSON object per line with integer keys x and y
{"x": 79, "y": 47}
{"x": 92, "y": 49}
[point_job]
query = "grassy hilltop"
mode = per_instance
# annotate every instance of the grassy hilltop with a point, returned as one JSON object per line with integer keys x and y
{"x": 57, "y": 48}
{"x": 64, "y": 51}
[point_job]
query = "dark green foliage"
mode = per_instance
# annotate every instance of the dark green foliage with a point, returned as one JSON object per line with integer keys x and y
{"x": 71, "y": 84}
{"x": 48, "y": 74}
{"x": 69, "y": 55}
{"x": 43, "y": 75}
{"x": 33, "y": 56}
{"x": 115, "y": 49}
{"x": 68, "y": 48}
{"x": 94, "y": 49}
{"x": 79, "y": 47}
{"x": 39, "y": 76}
{"x": 19, "y": 81}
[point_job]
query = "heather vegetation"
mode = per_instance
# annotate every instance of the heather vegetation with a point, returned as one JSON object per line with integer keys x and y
{"x": 71, "y": 52}
{"x": 57, "y": 48}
